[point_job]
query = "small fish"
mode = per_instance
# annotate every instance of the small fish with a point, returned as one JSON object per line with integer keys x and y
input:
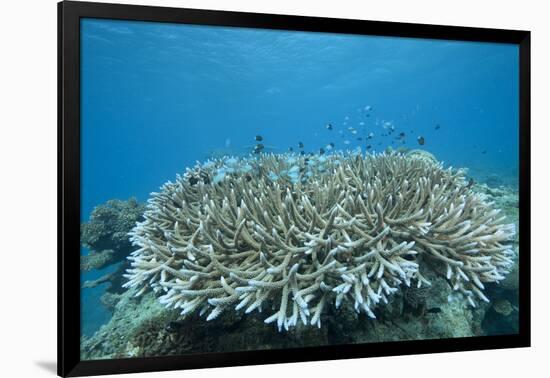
{"x": 173, "y": 326}
{"x": 346, "y": 142}
{"x": 321, "y": 151}
{"x": 302, "y": 152}
{"x": 421, "y": 140}
{"x": 433, "y": 310}
{"x": 328, "y": 147}
{"x": 290, "y": 149}
{"x": 300, "y": 145}
{"x": 371, "y": 135}
{"x": 368, "y": 108}
{"x": 484, "y": 152}
{"x": 258, "y": 148}
{"x": 369, "y": 146}
{"x": 367, "y": 115}
{"x": 361, "y": 123}
{"x": 329, "y": 126}
{"x": 259, "y": 138}
{"x": 470, "y": 183}
{"x": 437, "y": 127}
{"x": 359, "y": 138}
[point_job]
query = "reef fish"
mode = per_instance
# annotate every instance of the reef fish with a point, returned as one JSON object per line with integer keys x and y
{"x": 258, "y": 148}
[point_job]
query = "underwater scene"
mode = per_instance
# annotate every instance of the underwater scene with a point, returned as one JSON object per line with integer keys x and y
{"x": 254, "y": 189}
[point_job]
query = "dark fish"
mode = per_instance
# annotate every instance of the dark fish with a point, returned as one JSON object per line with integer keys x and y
{"x": 368, "y": 115}
{"x": 369, "y": 146}
{"x": 331, "y": 144}
{"x": 437, "y": 127}
{"x": 258, "y": 148}
{"x": 484, "y": 152}
{"x": 421, "y": 140}
{"x": 329, "y": 126}
{"x": 302, "y": 152}
{"x": 401, "y": 135}
{"x": 290, "y": 149}
{"x": 470, "y": 183}
{"x": 359, "y": 138}
{"x": 433, "y": 310}
{"x": 321, "y": 151}
{"x": 174, "y": 326}
{"x": 300, "y": 145}
{"x": 259, "y": 138}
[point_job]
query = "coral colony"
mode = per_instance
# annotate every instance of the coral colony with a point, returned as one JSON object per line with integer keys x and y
{"x": 292, "y": 234}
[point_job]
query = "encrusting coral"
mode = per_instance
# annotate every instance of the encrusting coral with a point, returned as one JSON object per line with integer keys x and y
{"x": 299, "y": 233}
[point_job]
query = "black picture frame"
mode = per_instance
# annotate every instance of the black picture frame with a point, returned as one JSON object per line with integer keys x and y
{"x": 69, "y": 15}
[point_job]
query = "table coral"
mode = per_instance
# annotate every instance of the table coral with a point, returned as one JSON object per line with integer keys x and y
{"x": 299, "y": 233}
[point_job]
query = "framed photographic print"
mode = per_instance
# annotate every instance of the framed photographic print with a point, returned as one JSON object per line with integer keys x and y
{"x": 239, "y": 188}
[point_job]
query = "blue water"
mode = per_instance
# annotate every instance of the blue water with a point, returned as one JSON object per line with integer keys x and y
{"x": 157, "y": 97}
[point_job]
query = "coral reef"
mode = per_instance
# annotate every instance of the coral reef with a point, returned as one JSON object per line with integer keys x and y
{"x": 96, "y": 260}
{"x": 142, "y": 327}
{"x": 106, "y": 237}
{"x": 107, "y": 230}
{"x": 300, "y": 233}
